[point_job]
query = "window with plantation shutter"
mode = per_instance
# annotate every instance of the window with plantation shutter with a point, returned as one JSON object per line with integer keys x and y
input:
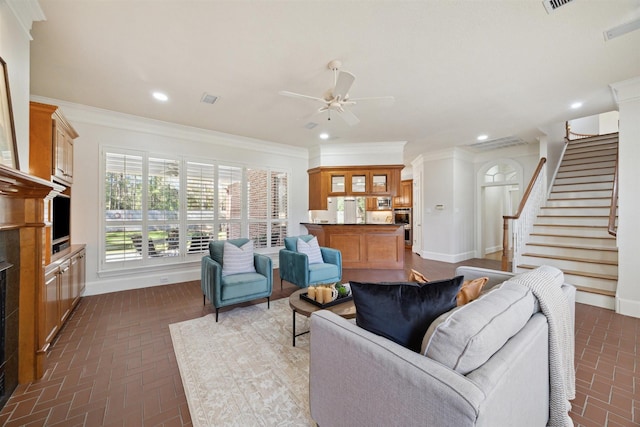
{"x": 159, "y": 210}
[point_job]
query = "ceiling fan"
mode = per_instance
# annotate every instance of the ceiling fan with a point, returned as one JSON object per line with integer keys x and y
{"x": 337, "y": 98}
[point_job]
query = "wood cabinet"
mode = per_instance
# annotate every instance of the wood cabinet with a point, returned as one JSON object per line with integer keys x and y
{"x": 64, "y": 282}
{"x": 405, "y": 198}
{"x": 51, "y": 140}
{"x": 352, "y": 181}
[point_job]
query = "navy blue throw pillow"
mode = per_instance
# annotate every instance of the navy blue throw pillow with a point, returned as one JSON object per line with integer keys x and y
{"x": 402, "y": 312}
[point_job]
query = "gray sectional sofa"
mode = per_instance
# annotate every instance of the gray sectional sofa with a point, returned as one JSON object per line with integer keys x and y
{"x": 486, "y": 364}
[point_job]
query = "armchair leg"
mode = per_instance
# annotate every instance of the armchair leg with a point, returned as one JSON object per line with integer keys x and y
{"x": 281, "y": 283}
{"x": 268, "y": 302}
{"x": 217, "y": 314}
{"x": 204, "y": 299}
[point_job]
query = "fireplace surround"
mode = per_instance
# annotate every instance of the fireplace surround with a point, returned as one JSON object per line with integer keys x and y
{"x": 22, "y": 222}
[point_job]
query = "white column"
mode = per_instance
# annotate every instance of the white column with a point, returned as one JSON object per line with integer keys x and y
{"x": 627, "y": 94}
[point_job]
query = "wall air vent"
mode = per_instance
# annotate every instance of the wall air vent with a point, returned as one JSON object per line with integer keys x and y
{"x": 551, "y": 5}
{"x": 495, "y": 144}
{"x": 208, "y": 99}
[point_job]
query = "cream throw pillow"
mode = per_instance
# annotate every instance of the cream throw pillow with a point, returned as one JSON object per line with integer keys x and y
{"x": 311, "y": 249}
{"x": 237, "y": 260}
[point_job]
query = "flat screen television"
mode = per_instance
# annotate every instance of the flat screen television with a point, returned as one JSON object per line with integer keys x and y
{"x": 61, "y": 220}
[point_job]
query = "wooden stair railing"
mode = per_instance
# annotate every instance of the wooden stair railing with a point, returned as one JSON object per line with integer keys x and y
{"x": 613, "y": 212}
{"x": 523, "y": 204}
{"x": 570, "y": 136}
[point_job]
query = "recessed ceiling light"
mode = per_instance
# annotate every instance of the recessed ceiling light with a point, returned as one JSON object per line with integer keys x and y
{"x": 576, "y": 105}
{"x": 482, "y": 137}
{"x": 160, "y": 96}
{"x": 324, "y": 135}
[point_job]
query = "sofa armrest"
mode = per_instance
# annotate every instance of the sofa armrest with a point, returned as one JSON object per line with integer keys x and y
{"x": 331, "y": 256}
{"x": 264, "y": 266}
{"x": 355, "y": 377}
{"x": 495, "y": 276}
{"x": 210, "y": 279}
{"x": 293, "y": 267}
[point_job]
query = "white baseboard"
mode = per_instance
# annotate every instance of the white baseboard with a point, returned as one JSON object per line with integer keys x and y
{"x": 628, "y": 307}
{"x": 436, "y": 256}
{"x": 596, "y": 300}
{"x": 139, "y": 281}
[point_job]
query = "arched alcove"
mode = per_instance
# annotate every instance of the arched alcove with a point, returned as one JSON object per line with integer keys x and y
{"x": 499, "y": 189}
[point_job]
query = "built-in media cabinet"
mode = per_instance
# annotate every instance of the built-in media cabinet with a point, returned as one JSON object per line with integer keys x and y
{"x": 51, "y": 140}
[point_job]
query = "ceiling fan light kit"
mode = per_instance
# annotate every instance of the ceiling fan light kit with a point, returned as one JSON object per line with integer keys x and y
{"x": 337, "y": 99}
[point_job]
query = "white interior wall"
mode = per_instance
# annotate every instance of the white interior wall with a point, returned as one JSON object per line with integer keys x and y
{"x": 14, "y": 50}
{"x": 492, "y": 211}
{"x": 628, "y": 293}
{"x": 357, "y": 154}
{"x": 98, "y": 128}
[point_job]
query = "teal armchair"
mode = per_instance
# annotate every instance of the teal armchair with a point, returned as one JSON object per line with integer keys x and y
{"x": 235, "y": 288}
{"x": 295, "y": 268}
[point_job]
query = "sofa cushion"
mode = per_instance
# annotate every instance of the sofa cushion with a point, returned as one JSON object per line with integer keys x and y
{"x": 311, "y": 249}
{"x": 402, "y": 311}
{"x": 238, "y": 259}
{"x": 466, "y": 337}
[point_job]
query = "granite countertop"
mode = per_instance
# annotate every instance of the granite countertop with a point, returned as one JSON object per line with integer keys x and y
{"x": 327, "y": 223}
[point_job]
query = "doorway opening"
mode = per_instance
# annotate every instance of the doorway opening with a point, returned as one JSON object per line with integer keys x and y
{"x": 499, "y": 190}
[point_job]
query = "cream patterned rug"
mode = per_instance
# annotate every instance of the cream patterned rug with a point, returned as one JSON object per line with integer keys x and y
{"x": 243, "y": 370}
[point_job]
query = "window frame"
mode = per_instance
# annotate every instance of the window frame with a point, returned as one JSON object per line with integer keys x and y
{"x": 184, "y": 256}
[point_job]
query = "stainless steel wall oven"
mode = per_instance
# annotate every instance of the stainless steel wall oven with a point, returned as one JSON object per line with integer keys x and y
{"x": 403, "y": 216}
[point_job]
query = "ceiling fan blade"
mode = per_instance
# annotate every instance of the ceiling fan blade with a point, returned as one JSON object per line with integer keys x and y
{"x": 301, "y": 96}
{"x": 349, "y": 117}
{"x": 343, "y": 84}
{"x": 383, "y": 101}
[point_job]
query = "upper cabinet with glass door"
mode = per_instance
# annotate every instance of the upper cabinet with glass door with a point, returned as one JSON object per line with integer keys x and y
{"x": 359, "y": 183}
{"x": 337, "y": 184}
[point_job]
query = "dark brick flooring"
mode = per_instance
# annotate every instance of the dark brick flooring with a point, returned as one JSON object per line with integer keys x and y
{"x": 113, "y": 363}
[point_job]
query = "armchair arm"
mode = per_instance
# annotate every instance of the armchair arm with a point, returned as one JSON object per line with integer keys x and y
{"x": 264, "y": 266}
{"x": 332, "y": 256}
{"x": 294, "y": 267}
{"x": 211, "y": 279}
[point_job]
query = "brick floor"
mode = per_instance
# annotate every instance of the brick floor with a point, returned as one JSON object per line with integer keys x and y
{"x": 113, "y": 362}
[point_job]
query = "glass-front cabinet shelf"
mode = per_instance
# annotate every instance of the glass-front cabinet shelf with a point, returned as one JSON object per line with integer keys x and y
{"x": 337, "y": 184}
{"x": 379, "y": 183}
{"x": 359, "y": 183}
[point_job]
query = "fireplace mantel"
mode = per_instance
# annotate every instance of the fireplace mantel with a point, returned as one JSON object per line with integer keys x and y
{"x": 22, "y": 204}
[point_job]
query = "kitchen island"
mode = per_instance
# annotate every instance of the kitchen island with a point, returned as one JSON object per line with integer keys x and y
{"x": 377, "y": 246}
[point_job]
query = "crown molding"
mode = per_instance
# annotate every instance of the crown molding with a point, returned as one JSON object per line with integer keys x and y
{"x": 26, "y": 12}
{"x": 96, "y": 116}
{"x": 626, "y": 90}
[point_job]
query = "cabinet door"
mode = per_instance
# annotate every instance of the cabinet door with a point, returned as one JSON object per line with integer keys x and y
{"x": 65, "y": 290}
{"x": 337, "y": 184}
{"x": 380, "y": 182}
{"x": 358, "y": 182}
{"x": 78, "y": 277}
{"x": 51, "y": 313}
{"x": 62, "y": 154}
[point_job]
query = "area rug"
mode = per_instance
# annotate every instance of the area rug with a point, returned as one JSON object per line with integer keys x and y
{"x": 243, "y": 370}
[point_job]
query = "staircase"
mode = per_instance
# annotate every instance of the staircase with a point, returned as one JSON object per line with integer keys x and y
{"x": 571, "y": 230}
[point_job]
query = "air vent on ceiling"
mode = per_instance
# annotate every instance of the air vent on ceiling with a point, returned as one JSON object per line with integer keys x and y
{"x": 551, "y": 5}
{"x": 311, "y": 125}
{"x": 208, "y": 99}
{"x": 495, "y": 144}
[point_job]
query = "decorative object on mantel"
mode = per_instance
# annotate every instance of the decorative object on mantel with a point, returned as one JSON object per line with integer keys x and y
{"x": 8, "y": 145}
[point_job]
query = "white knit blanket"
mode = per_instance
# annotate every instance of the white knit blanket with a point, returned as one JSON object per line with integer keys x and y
{"x": 545, "y": 283}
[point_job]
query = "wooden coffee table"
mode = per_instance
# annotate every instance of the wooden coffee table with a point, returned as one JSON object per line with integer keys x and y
{"x": 346, "y": 309}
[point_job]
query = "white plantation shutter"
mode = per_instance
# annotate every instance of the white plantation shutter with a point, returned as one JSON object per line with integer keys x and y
{"x": 123, "y": 205}
{"x": 158, "y": 207}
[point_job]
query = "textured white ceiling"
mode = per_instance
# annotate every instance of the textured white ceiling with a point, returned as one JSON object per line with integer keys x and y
{"x": 456, "y": 68}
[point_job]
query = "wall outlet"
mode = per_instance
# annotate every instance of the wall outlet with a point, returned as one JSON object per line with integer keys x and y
{"x": 164, "y": 280}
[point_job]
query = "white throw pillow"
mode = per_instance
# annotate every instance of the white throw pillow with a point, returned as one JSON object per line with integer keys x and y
{"x": 237, "y": 259}
{"x": 312, "y": 249}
